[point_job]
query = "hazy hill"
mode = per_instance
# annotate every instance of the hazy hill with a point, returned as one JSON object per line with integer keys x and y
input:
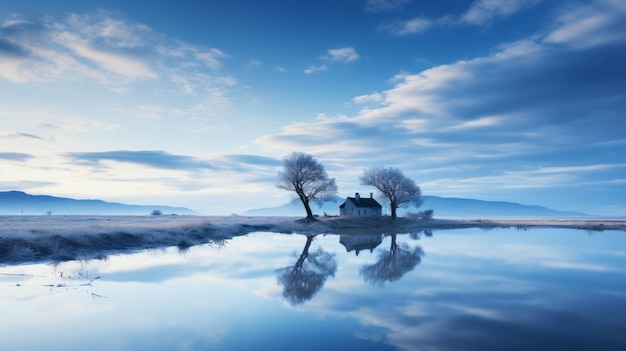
{"x": 17, "y": 202}
{"x": 443, "y": 206}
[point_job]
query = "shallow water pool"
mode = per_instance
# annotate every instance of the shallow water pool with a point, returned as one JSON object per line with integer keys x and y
{"x": 468, "y": 289}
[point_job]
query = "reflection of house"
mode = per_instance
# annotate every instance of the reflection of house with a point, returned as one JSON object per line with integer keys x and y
{"x": 360, "y": 242}
{"x": 358, "y": 206}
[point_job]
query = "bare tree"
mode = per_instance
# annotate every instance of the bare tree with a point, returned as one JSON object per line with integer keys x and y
{"x": 307, "y": 276}
{"x": 392, "y": 264}
{"x": 392, "y": 185}
{"x": 306, "y": 177}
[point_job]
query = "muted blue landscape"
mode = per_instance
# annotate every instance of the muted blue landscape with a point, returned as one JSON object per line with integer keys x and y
{"x": 313, "y": 175}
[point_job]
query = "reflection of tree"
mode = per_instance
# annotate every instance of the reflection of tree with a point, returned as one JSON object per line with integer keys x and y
{"x": 307, "y": 276}
{"x": 392, "y": 264}
{"x": 416, "y": 235}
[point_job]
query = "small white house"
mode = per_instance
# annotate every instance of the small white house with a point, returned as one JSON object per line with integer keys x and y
{"x": 358, "y": 243}
{"x": 360, "y": 207}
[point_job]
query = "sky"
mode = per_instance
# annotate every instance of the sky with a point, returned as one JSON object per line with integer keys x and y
{"x": 195, "y": 103}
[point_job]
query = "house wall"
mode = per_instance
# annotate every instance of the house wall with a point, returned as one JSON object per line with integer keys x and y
{"x": 351, "y": 210}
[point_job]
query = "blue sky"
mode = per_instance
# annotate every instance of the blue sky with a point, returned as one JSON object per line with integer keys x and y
{"x": 194, "y": 103}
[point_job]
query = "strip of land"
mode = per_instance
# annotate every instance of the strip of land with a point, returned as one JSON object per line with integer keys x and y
{"x": 61, "y": 238}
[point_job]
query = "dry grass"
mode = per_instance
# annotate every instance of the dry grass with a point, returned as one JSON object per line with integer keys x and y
{"x": 61, "y": 238}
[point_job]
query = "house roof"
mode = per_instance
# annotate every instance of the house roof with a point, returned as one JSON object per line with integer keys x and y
{"x": 362, "y": 202}
{"x": 360, "y": 242}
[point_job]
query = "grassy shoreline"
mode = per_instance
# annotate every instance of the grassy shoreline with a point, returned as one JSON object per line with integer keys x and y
{"x": 62, "y": 238}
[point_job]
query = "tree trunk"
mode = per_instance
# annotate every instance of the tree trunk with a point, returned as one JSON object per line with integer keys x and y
{"x": 307, "y": 207}
{"x": 393, "y": 210}
{"x": 394, "y": 245}
{"x": 304, "y": 254}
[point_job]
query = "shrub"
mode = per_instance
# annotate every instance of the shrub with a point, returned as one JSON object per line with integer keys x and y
{"x": 428, "y": 214}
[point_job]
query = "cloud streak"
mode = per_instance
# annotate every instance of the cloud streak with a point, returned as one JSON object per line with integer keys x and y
{"x": 346, "y": 55}
{"x": 480, "y": 13}
{"x": 97, "y": 46}
{"x": 20, "y": 135}
{"x": 164, "y": 160}
{"x": 315, "y": 68}
{"x": 384, "y": 5}
{"x": 150, "y": 158}
{"x": 14, "y": 156}
{"x": 485, "y": 11}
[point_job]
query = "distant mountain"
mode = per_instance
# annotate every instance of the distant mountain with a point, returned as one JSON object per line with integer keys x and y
{"x": 459, "y": 207}
{"x": 17, "y": 202}
{"x": 295, "y": 208}
{"x": 443, "y": 207}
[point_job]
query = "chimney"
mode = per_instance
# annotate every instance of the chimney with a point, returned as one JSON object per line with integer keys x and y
{"x": 371, "y": 195}
{"x": 357, "y": 196}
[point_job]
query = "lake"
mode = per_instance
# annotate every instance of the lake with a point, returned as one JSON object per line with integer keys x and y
{"x": 463, "y": 289}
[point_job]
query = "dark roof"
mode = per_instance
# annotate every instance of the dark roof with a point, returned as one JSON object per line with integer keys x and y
{"x": 360, "y": 242}
{"x": 363, "y": 202}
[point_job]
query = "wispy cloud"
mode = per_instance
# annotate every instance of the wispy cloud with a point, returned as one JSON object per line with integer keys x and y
{"x": 14, "y": 156}
{"x": 99, "y": 46}
{"x": 155, "y": 159}
{"x": 367, "y": 99}
{"x": 121, "y": 61}
{"x": 253, "y": 63}
{"x": 81, "y": 46}
{"x": 315, "y": 68}
{"x": 480, "y": 12}
{"x": 384, "y": 5}
{"x": 24, "y": 184}
{"x": 485, "y": 11}
{"x": 164, "y": 160}
{"x": 251, "y": 160}
{"x": 412, "y": 26}
{"x": 587, "y": 26}
{"x": 346, "y": 54}
{"x": 20, "y": 135}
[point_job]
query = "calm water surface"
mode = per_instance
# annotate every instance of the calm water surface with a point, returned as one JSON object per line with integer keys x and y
{"x": 503, "y": 289}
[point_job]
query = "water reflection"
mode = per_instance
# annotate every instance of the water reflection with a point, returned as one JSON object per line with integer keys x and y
{"x": 307, "y": 276}
{"x": 357, "y": 243}
{"x": 392, "y": 264}
{"x": 71, "y": 277}
{"x": 478, "y": 290}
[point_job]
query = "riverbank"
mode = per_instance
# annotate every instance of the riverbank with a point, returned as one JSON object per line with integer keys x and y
{"x": 62, "y": 238}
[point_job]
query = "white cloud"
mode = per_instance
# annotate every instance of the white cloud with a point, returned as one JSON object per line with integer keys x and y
{"x": 416, "y": 25}
{"x": 347, "y": 54}
{"x": 343, "y": 55}
{"x": 123, "y": 64}
{"x": 384, "y": 5}
{"x": 253, "y": 63}
{"x": 280, "y": 69}
{"x": 314, "y": 69}
{"x": 484, "y": 11}
{"x": 591, "y": 25}
{"x": 210, "y": 57}
{"x": 480, "y": 12}
{"x": 489, "y": 121}
{"x": 368, "y": 99}
{"x": 101, "y": 47}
